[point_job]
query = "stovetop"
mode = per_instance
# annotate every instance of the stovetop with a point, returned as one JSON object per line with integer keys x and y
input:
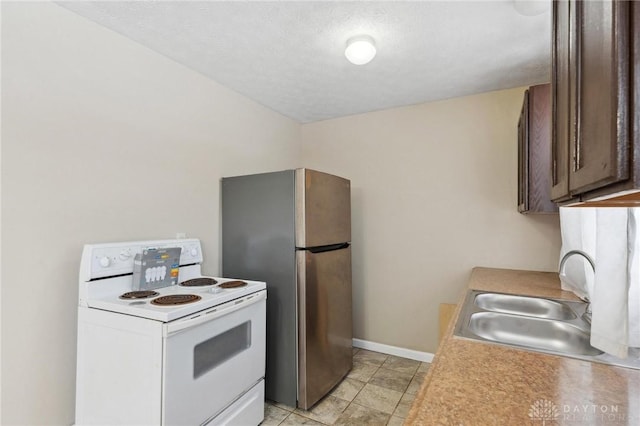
{"x": 210, "y": 296}
{"x": 107, "y": 271}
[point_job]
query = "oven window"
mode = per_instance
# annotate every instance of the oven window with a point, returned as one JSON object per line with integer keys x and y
{"x": 213, "y": 352}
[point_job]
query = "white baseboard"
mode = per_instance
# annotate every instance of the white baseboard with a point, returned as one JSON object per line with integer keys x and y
{"x": 393, "y": 350}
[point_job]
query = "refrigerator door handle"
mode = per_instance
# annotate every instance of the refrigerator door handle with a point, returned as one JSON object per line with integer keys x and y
{"x": 330, "y": 247}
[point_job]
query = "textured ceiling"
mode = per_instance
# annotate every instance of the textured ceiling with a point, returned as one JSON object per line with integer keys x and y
{"x": 289, "y": 56}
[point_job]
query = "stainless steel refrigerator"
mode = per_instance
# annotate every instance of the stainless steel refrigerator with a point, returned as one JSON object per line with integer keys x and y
{"x": 292, "y": 229}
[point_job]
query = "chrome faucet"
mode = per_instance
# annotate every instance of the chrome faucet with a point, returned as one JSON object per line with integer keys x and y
{"x": 587, "y": 312}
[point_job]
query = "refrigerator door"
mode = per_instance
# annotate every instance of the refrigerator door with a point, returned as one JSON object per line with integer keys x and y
{"x": 323, "y": 209}
{"x": 324, "y": 322}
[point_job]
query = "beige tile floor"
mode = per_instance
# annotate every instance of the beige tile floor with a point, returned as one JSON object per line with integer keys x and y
{"x": 379, "y": 390}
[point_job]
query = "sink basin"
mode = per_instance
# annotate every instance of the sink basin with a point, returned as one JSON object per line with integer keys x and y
{"x": 521, "y": 305}
{"x": 532, "y": 332}
{"x": 536, "y": 324}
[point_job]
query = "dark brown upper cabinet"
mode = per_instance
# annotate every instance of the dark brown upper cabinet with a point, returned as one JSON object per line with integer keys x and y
{"x": 534, "y": 146}
{"x": 595, "y": 145}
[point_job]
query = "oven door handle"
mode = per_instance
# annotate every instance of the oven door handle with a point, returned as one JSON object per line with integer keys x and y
{"x": 215, "y": 312}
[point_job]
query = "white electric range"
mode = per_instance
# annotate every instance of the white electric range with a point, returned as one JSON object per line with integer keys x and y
{"x": 191, "y": 352}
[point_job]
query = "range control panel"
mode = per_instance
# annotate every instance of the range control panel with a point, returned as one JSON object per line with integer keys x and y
{"x": 111, "y": 259}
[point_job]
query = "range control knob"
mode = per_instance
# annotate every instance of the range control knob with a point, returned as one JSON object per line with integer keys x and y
{"x": 125, "y": 254}
{"x": 105, "y": 262}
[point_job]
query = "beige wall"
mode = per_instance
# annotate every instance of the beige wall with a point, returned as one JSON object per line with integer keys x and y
{"x": 434, "y": 194}
{"x": 102, "y": 140}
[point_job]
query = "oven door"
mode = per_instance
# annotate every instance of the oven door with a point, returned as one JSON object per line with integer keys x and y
{"x": 212, "y": 358}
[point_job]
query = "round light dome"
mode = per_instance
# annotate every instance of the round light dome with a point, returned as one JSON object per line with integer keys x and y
{"x": 360, "y": 50}
{"x": 531, "y": 7}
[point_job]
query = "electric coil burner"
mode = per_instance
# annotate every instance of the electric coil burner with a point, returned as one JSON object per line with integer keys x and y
{"x": 175, "y": 299}
{"x": 233, "y": 284}
{"x": 198, "y": 282}
{"x": 141, "y": 294}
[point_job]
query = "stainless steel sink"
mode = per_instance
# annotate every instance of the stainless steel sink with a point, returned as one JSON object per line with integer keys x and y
{"x": 536, "y": 324}
{"x": 543, "y": 334}
{"x": 520, "y": 305}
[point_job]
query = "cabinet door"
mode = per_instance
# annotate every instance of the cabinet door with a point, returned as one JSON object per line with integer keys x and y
{"x": 538, "y": 150}
{"x": 523, "y": 149}
{"x": 562, "y": 117}
{"x": 599, "y": 153}
{"x": 534, "y": 145}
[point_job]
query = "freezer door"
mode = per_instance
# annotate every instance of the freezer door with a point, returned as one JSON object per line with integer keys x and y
{"x": 323, "y": 209}
{"x": 324, "y": 322}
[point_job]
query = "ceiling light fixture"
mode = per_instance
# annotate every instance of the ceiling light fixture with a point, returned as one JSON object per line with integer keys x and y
{"x": 531, "y": 7}
{"x": 360, "y": 50}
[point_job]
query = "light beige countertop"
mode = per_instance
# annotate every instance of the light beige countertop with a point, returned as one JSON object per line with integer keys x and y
{"x": 476, "y": 383}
